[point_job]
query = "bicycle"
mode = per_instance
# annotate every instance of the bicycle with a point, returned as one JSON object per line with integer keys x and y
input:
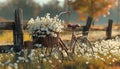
{"x": 79, "y": 42}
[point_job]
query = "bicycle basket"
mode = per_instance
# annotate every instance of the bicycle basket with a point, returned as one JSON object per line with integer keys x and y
{"x": 48, "y": 41}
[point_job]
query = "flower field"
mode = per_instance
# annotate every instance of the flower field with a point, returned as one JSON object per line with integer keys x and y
{"x": 60, "y": 42}
{"x": 106, "y": 56}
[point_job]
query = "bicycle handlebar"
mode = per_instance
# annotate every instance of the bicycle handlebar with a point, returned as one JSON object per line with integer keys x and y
{"x": 66, "y": 12}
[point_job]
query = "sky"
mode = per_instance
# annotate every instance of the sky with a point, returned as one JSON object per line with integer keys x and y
{"x": 41, "y": 2}
{"x": 3, "y": 1}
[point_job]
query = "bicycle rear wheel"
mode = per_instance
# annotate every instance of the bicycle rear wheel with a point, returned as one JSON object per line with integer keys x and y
{"x": 83, "y": 46}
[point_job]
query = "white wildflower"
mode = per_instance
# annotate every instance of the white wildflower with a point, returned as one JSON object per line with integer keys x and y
{"x": 31, "y": 21}
{"x": 3, "y": 64}
{"x": 9, "y": 67}
{"x": 17, "y": 61}
{"x": 50, "y": 61}
{"x": 59, "y": 61}
{"x": 41, "y": 55}
{"x": 38, "y": 45}
{"x": 10, "y": 64}
{"x": 26, "y": 60}
{"x": 87, "y": 62}
{"x": 46, "y": 23}
{"x": 64, "y": 53}
{"x": 21, "y": 58}
{"x": 15, "y": 65}
{"x": 44, "y": 60}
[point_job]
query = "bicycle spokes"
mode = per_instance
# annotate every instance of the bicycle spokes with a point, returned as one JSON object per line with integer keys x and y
{"x": 82, "y": 46}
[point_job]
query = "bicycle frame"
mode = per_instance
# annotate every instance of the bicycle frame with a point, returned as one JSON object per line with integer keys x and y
{"x": 74, "y": 41}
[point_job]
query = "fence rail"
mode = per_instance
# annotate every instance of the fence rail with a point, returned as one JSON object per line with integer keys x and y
{"x": 10, "y": 25}
{"x": 6, "y": 48}
{"x": 6, "y": 25}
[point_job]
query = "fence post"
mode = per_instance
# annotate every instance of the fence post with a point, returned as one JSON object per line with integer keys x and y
{"x": 109, "y": 29}
{"x": 17, "y": 30}
{"x": 87, "y": 26}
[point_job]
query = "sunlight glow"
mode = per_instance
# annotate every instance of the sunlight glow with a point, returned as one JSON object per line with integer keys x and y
{"x": 2, "y": 1}
{"x": 42, "y": 2}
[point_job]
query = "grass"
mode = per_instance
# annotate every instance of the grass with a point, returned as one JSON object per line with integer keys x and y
{"x": 7, "y": 37}
{"x": 78, "y": 63}
{"x": 45, "y": 63}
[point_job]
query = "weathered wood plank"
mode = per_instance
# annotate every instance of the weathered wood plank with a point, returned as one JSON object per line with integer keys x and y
{"x": 6, "y": 48}
{"x": 18, "y": 30}
{"x": 9, "y": 25}
{"x": 109, "y": 29}
{"x": 6, "y": 25}
{"x": 87, "y": 27}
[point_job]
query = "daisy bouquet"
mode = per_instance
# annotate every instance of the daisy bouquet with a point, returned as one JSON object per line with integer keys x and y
{"x": 43, "y": 28}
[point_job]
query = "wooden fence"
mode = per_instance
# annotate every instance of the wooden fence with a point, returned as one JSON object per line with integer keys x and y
{"x": 18, "y": 26}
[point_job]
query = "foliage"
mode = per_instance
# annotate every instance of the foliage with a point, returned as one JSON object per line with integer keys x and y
{"x": 29, "y": 6}
{"x": 94, "y": 8}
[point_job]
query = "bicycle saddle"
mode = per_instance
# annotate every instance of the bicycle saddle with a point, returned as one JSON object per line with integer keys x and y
{"x": 73, "y": 25}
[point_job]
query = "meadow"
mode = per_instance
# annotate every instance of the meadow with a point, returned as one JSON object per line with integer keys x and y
{"x": 106, "y": 55}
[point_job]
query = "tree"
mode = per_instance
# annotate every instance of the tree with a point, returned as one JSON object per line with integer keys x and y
{"x": 30, "y": 8}
{"x": 93, "y": 8}
{"x": 53, "y": 8}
